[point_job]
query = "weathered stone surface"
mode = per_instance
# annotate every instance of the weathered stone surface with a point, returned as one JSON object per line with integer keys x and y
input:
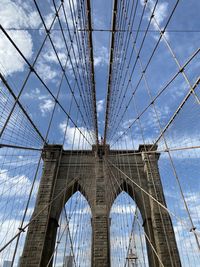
{"x": 87, "y": 172}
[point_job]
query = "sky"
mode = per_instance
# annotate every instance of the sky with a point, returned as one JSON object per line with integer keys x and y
{"x": 22, "y": 22}
{"x": 35, "y": 99}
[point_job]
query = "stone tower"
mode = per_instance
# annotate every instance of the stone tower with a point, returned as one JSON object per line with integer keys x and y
{"x": 66, "y": 172}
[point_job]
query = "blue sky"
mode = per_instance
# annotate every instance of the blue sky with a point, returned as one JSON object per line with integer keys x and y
{"x": 23, "y": 24}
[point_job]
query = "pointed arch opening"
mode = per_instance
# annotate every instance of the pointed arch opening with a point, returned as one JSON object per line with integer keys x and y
{"x": 74, "y": 235}
{"x": 127, "y": 238}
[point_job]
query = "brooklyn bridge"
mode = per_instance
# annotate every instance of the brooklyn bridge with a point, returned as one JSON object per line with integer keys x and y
{"x": 99, "y": 133}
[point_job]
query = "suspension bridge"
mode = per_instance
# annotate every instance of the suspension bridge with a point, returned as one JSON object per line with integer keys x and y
{"x": 99, "y": 133}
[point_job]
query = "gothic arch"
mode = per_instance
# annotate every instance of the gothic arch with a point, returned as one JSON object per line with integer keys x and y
{"x": 136, "y": 196}
{"x": 87, "y": 173}
{"x": 123, "y": 228}
{"x": 80, "y": 218}
{"x": 70, "y": 191}
{"x": 142, "y": 202}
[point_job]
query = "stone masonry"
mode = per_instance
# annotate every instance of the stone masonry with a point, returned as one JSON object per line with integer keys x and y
{"x": 66, "y": 172}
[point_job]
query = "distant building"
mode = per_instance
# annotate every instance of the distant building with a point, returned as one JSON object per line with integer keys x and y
{"x": 7, "y": 263}
{"x": 68, "y": 261}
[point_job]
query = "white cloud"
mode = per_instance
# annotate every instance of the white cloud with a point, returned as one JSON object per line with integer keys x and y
{"x": 160, "y": 13}
{"x": 14, "y": 192}
{"x": 48, "y": 65}
{"x": 46, "y": 106}
{"x": 84, "y": 211}
{"x": 126, "y": 123}
{"x": 101, "y": 56}
{"x": 51, "y": 57}
{"x": 45, "y": 71}
{"x": 10, "y": 60}
{"x": 34, "y": 94}
{"x": 14, "y": 186}
{"x": 20, "y": 15}
{"x": 122, "y": 209}
{"x": 8, "y": 229}
{"x": 20, "y": 162}
{"x": 74, "y": 137}
{"x": 179, "y": 139}
{"x": 193, "y": 201}
{"x": 68, "y": 12}
{"x": 100, "y": 105}
{"x": 187, "y": 245}
{"x": 127, "y": 141}
{"x": 16, "y": 15}
{"x": 29, "y": 212}
{"x": 49, "y": 19}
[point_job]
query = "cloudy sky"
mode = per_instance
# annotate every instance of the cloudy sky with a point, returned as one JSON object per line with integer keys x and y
{"x": 22, "y": 22}
{"x": 20, "y": 15}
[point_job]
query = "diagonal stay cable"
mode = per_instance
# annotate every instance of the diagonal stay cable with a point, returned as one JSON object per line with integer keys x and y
{"x": 191, "y": 91}
{"x": 76, "y": 68}
{"x": 61, "y": 66}
{"x": 62, "y": 192}
{"x": 155, "y": 200}
{"x": 157, "y": 44}
{"x": 124, "y": 54}
{"x": 86, "y": 99}
{"x": 122, "y": 97}
{"x": 27, "y": 77}
{"x": 20, "y": 147}
{"x": 40, "y": 79}
{"x": 148, "y": 239}
{"x": 21, "y": 106}
{"x": 156, "y": 97}
{"x": 38, "y": 165}
{"x": 174, "y": 149}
